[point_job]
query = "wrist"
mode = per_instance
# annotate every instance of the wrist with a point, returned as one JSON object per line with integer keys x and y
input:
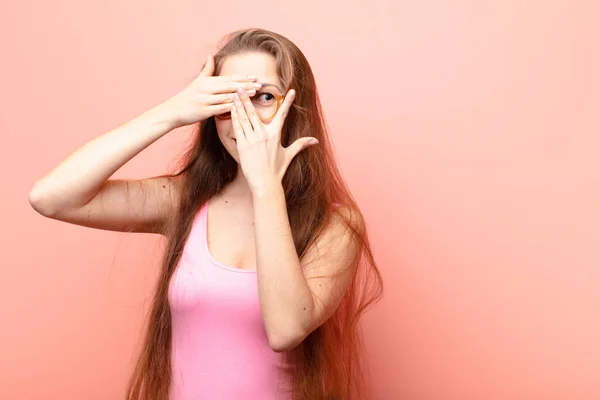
{"x": 267, "y": 190}
{"x": 163, "y": 116}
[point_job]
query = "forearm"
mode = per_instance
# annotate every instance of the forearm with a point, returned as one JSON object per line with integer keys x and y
{"x": 285, "y": 298}
{"x": 78, "y": 178}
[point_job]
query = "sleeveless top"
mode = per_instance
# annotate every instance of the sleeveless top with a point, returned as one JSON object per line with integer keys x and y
{"x": 219, "y": 346}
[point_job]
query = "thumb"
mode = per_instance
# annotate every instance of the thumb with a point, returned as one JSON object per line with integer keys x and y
{"x": 300, "y": 145}
{"x": 209, "y": 66}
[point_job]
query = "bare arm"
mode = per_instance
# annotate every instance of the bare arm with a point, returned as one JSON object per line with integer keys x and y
{"x": 296, "y": 296}
{"x": 79, "y": 190}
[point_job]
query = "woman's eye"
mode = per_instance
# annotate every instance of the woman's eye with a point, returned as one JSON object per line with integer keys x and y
{"x": 265, "y": 97}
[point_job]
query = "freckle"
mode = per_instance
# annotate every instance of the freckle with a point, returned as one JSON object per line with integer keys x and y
{"x": 304, "y": 308}
{"x": 164, "y": 186}
{"x": 226, "y": 201}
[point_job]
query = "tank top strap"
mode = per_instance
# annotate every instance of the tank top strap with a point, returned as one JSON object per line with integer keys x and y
{"x": 197, "y": 236}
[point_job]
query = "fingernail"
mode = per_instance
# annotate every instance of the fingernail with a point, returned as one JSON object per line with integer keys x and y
{"x": 236, "y": 97}
{"x": 251, "y": 77}
{"x": 240, "y": 91}
{"x": 313, "y": 141}
{"x": 257, "y": 85}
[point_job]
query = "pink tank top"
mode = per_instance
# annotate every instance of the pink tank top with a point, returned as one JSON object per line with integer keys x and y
{"x": 219, "y": 348}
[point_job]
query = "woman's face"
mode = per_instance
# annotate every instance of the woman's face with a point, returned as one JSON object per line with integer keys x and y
{"x": 264, "y": 68}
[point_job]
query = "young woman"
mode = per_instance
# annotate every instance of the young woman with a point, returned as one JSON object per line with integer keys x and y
{"x": 267, "y": 266}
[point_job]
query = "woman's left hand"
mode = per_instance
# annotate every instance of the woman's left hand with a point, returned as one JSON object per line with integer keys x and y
{"x": 262, "y": 157}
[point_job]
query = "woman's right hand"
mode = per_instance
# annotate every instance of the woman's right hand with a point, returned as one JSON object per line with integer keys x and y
{"x": 79, "y": 190}
{"x": 206, "y": 96}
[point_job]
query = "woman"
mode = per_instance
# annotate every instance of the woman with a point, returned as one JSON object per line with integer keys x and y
{"x": 267, "y": 267}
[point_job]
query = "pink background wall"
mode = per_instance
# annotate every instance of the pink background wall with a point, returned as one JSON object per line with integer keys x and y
{"x": 468, "y": 131}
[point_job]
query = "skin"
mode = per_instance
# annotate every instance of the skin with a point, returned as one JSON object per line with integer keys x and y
{"x": 248, "y": 222}
{"x": 249, "y": 225}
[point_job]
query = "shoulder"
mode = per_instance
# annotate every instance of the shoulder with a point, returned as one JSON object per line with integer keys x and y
{"x": 338, "y": 245}
{"x": 344, "y": 218}
{"x": 343, "y": 230}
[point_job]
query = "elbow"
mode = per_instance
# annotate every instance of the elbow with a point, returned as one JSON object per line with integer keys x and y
{"x": 281, "y": 341}
{"x": 39, "y": 202}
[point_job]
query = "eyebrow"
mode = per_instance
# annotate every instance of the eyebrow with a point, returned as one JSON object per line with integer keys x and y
{"x": 271, "y": 84}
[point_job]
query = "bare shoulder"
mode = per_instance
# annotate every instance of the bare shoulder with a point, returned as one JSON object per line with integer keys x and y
{"x": 340, "y": 240}
{"x": 345, "y": 220}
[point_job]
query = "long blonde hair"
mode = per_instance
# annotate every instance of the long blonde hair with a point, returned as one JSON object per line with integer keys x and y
{"x": 328, "y": 363}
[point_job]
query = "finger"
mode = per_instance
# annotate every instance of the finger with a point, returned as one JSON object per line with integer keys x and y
{"x": 251, "y": 111}
{"x": 240, "y": 136}
{"x": 236, "y": 78}
{"x": 209, "y": 66}
{"x": 232, "y": 86}
{"x": 220, "y": 98}
{"x": 225, "y": 97}
{"x": 217, "y": 109}
{"x": 243, "y": 117}
{"x": 285, "y": 107}
{"x": 299, "y": 145}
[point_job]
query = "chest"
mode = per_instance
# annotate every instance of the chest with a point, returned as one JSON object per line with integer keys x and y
{"x": 230, "y": 234}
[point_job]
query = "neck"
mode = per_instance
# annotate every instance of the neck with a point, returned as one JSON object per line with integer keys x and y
{"x": 238, "y": 187}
